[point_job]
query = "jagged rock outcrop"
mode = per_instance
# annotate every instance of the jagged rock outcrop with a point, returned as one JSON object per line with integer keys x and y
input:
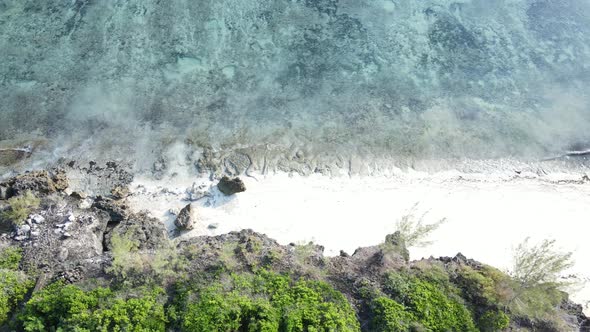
{"x": 117, "y": 209}
{"x": 184, "y": 220}
{"x": 42, "y": 182}
{"x": 145, "y": 231}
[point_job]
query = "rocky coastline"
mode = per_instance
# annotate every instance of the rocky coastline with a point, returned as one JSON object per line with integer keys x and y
{"x": 75, "y": 238}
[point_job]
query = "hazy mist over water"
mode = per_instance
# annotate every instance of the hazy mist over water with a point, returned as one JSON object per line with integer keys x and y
{"x": 332, "y": 78}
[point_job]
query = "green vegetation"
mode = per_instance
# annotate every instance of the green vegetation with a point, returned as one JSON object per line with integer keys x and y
{"x": 493, "y": 321}
{"x": 10, "y": 258}
{"x": 69, "y": 308}
{"x": 132, "y": 266}
{"x": 389, "y": 315}
{"x": 428, "y": 304}
{"x": 151, "y": 291}
{"x": 14, "y": 284}
{"x": 20, "y": 208}
{"x": 413, "y": 232}
{"x": 537, "y": 285}
{"x": 267, "y": 302}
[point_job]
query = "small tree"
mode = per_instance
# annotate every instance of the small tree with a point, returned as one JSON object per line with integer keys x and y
{"x": 537, "y": 272}
{"x": 413, "y": 231}
{"x": 539, "y": 264}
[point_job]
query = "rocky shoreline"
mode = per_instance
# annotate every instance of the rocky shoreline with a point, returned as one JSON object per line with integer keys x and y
{"x": 74, "y": 238}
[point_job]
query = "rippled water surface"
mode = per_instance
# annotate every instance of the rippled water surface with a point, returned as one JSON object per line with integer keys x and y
{"x": 325, "y": 79}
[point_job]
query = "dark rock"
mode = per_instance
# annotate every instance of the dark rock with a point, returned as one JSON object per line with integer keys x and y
{"x": 40, "y": 182}
{"x": 78, "y": 195}
{"x": 117, "y": 210}
{"x": 184, "y": 220}
{"x": 35, "y": 181}
{"x": 396, "y": 243}
{"x": 71, "y": 276}
{"x": 147, "y": 232}
{"x": 574, "y": 313}
{"x": 60, "y": 180}
{"x": 344, "y": 254}
{"x": 231, "y": 186}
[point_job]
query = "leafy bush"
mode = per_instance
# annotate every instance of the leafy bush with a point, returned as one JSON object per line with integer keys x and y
{"x": 436, "y": 311}
{"x": 20, "y": 208}
{"x": 390, "y": 316}
{"x": 493, "y": 321}
{"x": 14, "y": 284}
{"x": 488, "y": 290}
{"x": 69, "y": 308}
{"x": 133, "y": 266}
{"x": 10, "y": 258}
{"x": 268, "y": 302}
{"x": 485, "y": 287}
{"x": 430, "y": 306}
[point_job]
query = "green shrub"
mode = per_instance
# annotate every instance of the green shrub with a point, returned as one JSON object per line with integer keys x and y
{"x": 20, "y": 208}
{"x": 133, "y": 266}
{"x": 390, "y": 316}
{"x": 14, "y": 284}
{"x": 217, "y": 311}
{"x": 493, "y": 321}
{"x": 538, "y": 302}
{"x": 69, "y": 308}
{"x": 10, "y": 258}
{"x": 434, "y": 272}
{"x": 268, "y": 302}
{"x": 436, "y": 311}
{"x": 429, "y": 304}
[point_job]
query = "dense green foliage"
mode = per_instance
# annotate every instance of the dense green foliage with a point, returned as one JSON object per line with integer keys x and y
{"x": 14, "y": 284}
{"x": 10, "y": 258}
{"x": 20, "y": 208}
{"x": 69, "y": 308}
{"x": 389, "y": 315}
{"x": 493, "y": 321}
{"x": 426, "y": 303}
{"x": 268, "y": 302}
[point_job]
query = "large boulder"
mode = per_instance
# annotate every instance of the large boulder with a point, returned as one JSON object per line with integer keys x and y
{"x": 116, "y": 209}
{"x": 147, "y": 232}
{"x": 184, "y": 221}
{"x": 231, "y": 186}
